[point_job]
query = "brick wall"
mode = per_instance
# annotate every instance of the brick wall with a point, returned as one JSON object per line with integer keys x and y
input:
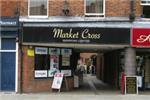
{"x": 8, "y": 7}
{"x": 75, "y": 6}
{"x": 138, "y": 8}
{"x": 114, "y": 8}
{"x": 32, "y": 85}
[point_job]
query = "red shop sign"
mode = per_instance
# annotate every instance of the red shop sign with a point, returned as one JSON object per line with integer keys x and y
{"x": 141, "y": 37}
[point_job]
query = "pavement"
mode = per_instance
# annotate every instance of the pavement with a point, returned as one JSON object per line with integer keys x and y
{"x": 89, "y": 91}
{"x": 66, "y": 96}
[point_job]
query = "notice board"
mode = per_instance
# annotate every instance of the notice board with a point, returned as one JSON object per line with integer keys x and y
{"x": 131, "y": 86}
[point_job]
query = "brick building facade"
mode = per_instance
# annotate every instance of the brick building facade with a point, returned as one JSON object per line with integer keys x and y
{"x": 113, "y": 8}
{"x": 115, "y": 14}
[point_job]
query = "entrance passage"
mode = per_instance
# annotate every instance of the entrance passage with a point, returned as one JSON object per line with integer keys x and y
{"x": 98, "y": 73}
{"x": 93, "y": 85}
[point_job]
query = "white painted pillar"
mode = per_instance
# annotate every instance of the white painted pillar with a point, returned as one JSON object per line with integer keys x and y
{"x": 130, "y": 61}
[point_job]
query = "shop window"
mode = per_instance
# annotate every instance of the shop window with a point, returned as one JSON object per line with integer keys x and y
{"x": 41, "y": 62}
{"x": 94, "y": 8}
{"x": 38, "y": 8}
{"x": 47, "y": 61}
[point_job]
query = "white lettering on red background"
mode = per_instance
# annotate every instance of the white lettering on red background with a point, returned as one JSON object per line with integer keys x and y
{"x": 144, "y": 38}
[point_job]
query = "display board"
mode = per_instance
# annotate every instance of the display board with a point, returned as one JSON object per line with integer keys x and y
{"x": 131, "y": 86}
{"x": 57, "y": 82}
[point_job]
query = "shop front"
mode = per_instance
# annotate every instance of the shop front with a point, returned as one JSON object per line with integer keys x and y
{"x": 48, "y": 50}
{"x": 141, "y": 42}
{"x": 8, "y": 53}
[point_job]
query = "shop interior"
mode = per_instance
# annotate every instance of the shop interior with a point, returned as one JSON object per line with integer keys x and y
{"x": 143, "y": 69}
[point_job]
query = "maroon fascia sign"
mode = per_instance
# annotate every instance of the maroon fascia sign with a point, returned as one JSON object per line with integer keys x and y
{"x": 141, "y": 37}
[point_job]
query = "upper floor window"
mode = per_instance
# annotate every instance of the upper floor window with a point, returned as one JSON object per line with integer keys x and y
{"x": 38, "y": 8}
{"x": 145, "y": 2}
{"x": 94, "y": 7}
{"x": 146, "y": 8}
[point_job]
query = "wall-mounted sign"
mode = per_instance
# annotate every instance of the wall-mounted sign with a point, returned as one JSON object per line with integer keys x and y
{"x": 40, "y": 73}
{"x": 141, "y": 37}
{"x": 66, "y": 51}
{"x": 54, "y": 51}
{"x": 52, "y": 72}
{"x": 66, "y": 72}
{"x": 8, "y": 21}
{"x": 40, "y": 50}
{"x": 76, "y": 35}
{"x": 30, "y": 52}
{"x": 131, "y": 86}
{"x": 65, "y": 60}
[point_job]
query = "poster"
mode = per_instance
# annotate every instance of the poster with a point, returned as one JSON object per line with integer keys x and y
{"x": 54, "y": 62}
{"x": 139, "y": 81}
{"x": 40, "y": 73}
{"x": 66, "y": 51}
{"x": 30, "y": 52}
{"x": 131, "y": 86}
{"x": 66, "y": 72}
{"x": 66, "y": 60}
{"x": 54, "y": 65}
{"x": 54, "y": 51}
{"x": 57, "y": 82}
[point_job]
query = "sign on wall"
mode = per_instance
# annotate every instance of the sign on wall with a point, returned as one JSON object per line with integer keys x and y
{"x": 9, "y": 21}
{"x": 41, "y": 50}
{"x": 131, "y": 86}
{"x": 54, "y": 51}
{"x": 141, "y": 37}
{"x": 76, "y": 35}
{"x": 30, "y": 52}
{"x": 66, "y": 72}
{"x": 40, "y": 73}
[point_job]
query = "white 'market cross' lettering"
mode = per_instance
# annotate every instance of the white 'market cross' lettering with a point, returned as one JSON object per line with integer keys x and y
{"x": 144, "y": 38}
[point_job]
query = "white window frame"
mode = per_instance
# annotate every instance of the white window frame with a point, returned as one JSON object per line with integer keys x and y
{"x": 97, "y": 14}
{"x": 147, "y": 3}
{"x": 38, "y": 16}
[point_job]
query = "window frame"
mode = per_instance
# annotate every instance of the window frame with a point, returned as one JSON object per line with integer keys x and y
{"x": 38, "y": 16}
{"x": 147, "y": 3}
{"x": 94, "y": 14}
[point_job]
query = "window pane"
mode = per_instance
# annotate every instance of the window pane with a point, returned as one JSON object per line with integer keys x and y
{"x": 38, "y": 7}
{"x": 146, "y": 11}
{"x": 41, "y": 62}
{"x": 8, "y": 44}
{"x": 94, "y": 6}
{"x": 41, "y": 58}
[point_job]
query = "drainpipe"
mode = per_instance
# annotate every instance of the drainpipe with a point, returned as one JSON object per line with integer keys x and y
{"x": 21, "y": 57}
{"x": 20, "y": 46}
{"x": 132, "y": 14}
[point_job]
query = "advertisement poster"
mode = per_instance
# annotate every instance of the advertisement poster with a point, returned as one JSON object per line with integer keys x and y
{"x": 66, "y": 60}
{"x": 66, "y": 72}
{"x": 40, "y": 73}
{"x": 54, "y": 65}
{"x": 30, "y": 52}
{"x": 58, "y": 78}
{"x": 131, "y": 86}
{"x": 54, "y": 62}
